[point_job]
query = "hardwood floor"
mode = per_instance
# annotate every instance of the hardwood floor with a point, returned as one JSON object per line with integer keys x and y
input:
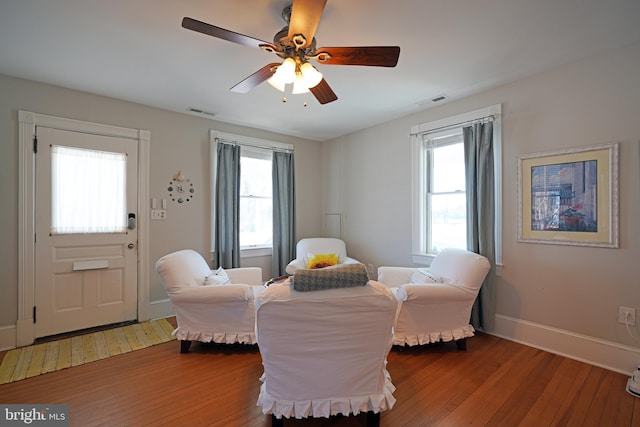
{"x": 494, "y": 383}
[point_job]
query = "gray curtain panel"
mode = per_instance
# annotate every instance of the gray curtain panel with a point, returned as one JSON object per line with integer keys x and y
{"x": 284, "y": 212}
{"x": 227, "y": 194}
{"x": 478, "y": 153}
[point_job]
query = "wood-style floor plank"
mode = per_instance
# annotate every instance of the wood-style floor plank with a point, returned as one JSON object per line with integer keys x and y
{"x": 494, "y": 383}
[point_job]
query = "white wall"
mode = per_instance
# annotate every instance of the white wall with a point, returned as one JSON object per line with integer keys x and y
{"x": 562, "y": 298}
{"x": 178, "y": 142}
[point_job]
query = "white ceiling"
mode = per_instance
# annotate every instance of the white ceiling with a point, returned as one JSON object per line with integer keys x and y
{"x": 136, "y": 50}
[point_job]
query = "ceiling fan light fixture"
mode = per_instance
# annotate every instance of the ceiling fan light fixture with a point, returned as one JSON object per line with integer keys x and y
{"x": 299, "y": 85}
{"x": 295, "y": 44}
{"x": 286, "y": 72}
{"x": 310, "y": 75}
{"x": 276, "y": 84}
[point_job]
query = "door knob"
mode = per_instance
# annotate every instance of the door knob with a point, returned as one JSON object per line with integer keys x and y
{"x": 130, "y": 245}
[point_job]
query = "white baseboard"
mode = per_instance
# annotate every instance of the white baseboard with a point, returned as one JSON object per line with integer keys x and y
{"x": 160, "y": 309}
{"x": 605, "y": 354}
{"x": 7, "y": 337}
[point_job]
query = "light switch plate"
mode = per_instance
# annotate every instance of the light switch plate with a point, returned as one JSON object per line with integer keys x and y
{"x": 158, "y": 214}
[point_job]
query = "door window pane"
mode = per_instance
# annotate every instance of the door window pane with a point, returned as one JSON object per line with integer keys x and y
{"x": 88, "y": 191}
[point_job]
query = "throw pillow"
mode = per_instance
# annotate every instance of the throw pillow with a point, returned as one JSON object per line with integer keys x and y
{"x": 340, "y": 276}
{"x": 423, "y": 275}
{"x": 321, "y": 260}
{"x": 218, "y": 277}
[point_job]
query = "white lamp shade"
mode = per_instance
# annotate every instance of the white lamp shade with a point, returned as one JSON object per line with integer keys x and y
{"x": 299, "y": 85}
{"x": 278, "y": 85}
{"x": 286, "y": 72}
{"x": 311, "y": 76}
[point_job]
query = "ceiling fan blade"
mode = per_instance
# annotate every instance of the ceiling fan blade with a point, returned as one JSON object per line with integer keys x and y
{"x": 255, "y": 79}
{"x": 323, "y": 93}
{"x": 305, "y": 16}
{"x": 377, "y": 56}
{"x": 221, "y": 33}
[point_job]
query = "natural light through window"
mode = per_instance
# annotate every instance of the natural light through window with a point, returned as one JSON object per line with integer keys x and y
{"x": 256, "y": 210}
{"x": 88, "y": 191}
{"x": 446, "y": 201}
{"x": 256, "y": 191}
{"x": 439, "y": 193}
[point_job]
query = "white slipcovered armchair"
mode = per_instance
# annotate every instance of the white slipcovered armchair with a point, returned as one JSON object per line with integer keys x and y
{"x": 215, "y": 312}
{"x": 315, "y": 246}
{"x": 324, "y": 352}
{"x": 437, "y": 305}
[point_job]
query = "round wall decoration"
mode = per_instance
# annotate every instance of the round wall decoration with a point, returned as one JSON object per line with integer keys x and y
{"x": 180, "y": 188}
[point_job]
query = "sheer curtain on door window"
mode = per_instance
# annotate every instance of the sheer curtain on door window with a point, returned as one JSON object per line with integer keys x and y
{"x": 87, "y": 191}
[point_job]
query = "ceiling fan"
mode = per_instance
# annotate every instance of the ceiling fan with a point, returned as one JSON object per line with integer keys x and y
{"x": 296, "y": 45}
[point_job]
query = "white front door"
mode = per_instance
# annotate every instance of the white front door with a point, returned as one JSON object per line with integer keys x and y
{"x": 85, "y": 269}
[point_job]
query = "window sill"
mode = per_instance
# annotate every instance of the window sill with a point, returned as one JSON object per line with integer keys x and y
{"x": 422, "y": 259}
{"x": 255, "y": 252}
{"x": 425, "y": 259}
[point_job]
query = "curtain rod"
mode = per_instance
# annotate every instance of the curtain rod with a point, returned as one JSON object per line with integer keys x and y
{"x": 264, "y": 147}
{"x": 489, "y": 118}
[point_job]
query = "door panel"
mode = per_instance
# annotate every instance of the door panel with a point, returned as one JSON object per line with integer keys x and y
{"x": 83, "y": 279}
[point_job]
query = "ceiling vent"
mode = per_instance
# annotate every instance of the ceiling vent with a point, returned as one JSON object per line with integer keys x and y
{"x": 428, "y": 102}
{"x": 199, "y": 112}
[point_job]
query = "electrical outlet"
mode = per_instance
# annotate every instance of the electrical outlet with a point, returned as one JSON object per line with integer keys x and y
{"x": 630, "y": 313}
{"x": 370, "y": 268}
{"x": 158, "y": 214}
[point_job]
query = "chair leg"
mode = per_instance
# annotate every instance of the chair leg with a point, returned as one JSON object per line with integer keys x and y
{"x": 399, "y": 348}
{"x": 462, "y": 344}
{"x": 277, "y": 422}
{"x": 184, "y": 346}
{"x": 373, "y": 419}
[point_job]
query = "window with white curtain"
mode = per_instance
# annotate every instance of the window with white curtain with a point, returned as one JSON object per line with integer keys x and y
{"x": 88, "y": 191}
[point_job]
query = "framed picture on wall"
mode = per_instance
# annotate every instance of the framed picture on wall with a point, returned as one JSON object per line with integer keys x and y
{"x": 569, "y": 197}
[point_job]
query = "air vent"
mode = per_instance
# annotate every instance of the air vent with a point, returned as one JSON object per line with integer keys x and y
{"x": 428, "y": 102}
{"x": 200, "y": 112}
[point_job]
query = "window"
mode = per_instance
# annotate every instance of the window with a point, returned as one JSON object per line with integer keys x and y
{"x": 88, "y": 191}
{"x": 439, "y": 193}
{"x": 256, "y": 206}
{"x": 446, "y": 222}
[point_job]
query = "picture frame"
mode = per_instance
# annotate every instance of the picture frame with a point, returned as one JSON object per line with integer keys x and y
{"x": 569, "y": 197}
